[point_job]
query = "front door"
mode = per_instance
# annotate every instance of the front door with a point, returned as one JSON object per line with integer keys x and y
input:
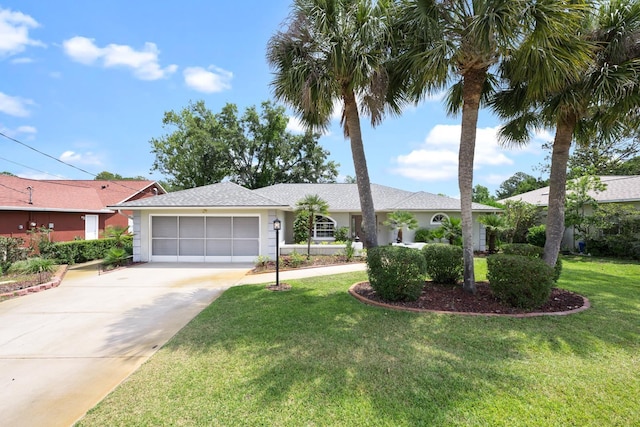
{"x": 356, "y": 227}
{"x": 90, "y": 227}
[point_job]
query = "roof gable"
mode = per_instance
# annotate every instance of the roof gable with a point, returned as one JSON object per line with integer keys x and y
{"x": 223, "y": 194}
{"x": 66, "y": 195}
{"x": 619, "y": 189}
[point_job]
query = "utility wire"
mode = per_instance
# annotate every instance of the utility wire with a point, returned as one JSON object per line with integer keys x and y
{"x": 65, "y": 163}
{"x": 14, "y": 189}
{"x": 33, "y": 169}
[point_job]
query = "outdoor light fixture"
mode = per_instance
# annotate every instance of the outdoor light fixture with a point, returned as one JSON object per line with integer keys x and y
{"x": 50, "y": 226}
{"x": 20, "y": 227}
{"x": 32, "y": 224}
{"x": 277, "y": 225}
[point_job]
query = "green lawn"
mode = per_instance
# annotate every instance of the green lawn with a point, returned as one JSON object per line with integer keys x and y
{"x": 314, "y": 356}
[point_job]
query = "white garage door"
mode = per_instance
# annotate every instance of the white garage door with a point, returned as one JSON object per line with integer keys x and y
{"x": 205, "y": 238}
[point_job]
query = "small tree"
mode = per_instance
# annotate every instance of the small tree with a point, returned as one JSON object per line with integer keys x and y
{"x": 520, "y": 217}
{"x": 399, "y": 220}
{"x": 494, "y": 224}
{"x": 117, "y": 233}
{"x": 450, "y": 229}
{"x": 313, "y": 205}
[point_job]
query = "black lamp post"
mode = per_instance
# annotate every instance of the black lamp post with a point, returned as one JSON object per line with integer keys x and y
{"x": 277, "y": 225}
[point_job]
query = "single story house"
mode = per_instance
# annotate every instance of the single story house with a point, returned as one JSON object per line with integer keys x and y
{"x": 225, "y": 222}
{"x": 620, "y": 189}
{"x": 71, "y": 209}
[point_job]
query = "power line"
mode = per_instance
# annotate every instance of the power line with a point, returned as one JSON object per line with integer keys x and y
{"x": 14, "y": 189}
{"x": 33, "y": 169}
{"x": 65, "y": 163}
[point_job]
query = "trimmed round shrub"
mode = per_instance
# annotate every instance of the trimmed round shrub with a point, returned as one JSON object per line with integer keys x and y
{"x": 396, "y": 273}
{"x": 520, "y": 281}
{"x": 423, "y": 235}
{"x": 526, "y": 249}
{"x": 445, "y": 263}
{"x": 537, "y": 235}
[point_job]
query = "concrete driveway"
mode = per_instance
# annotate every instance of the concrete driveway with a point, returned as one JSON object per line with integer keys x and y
{"x": 63, "y": 350}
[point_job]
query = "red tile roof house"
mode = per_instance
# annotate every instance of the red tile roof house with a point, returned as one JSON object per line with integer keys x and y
{"x": 70, "y": 208}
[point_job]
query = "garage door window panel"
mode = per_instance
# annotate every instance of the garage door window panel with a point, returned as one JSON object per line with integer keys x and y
{"x": 245, "y": 248}
{"x": 218, "y": 227}
{"x": 219, "y": 247}
{"x": 245, "y": 228}
{"x": 164, "y": 247}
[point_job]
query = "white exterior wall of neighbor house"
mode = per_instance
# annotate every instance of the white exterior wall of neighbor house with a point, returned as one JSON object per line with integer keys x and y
{"x": 142, "y": 222}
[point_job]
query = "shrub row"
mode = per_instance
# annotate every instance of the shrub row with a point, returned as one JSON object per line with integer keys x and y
{"x": 78, "y": 251}
{"x": 397, "y": 273}
{"x": 525, "y": 249}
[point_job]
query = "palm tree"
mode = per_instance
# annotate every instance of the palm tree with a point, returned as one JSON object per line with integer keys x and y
{"x": 461, "y": 42}
{"x": 450, "y": 229}
{"x": 399, "y": 220}
{"x": 593, "y": 105}
{"x": 312, "y": 205}
{"x": 336, "y": 50}
{"x": 494, "y": 224}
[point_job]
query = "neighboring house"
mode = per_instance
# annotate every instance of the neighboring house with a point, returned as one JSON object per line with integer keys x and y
{"x": 620, "y": 189}
{"x": 71, "y": 209}
{"x": 228, "y": 223}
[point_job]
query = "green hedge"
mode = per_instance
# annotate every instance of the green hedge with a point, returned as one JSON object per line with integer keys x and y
{"x": 520, "y": 281}
{"x": 396, "y": 273}
{"x": 526, "y": 249}
{"x": 78, "y": 251}
{"x": 445, "y": 263}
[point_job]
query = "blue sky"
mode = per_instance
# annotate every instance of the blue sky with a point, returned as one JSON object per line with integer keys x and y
{"x": 89, "y": 82}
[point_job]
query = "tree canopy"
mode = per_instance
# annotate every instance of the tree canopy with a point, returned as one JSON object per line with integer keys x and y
{"x": 109, "y": 176}
{"x": 519, "y": 183}
{"x": 253, "y": 150}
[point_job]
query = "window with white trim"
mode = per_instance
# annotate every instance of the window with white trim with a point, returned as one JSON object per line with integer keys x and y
{"x": 437, "y": 218}
{"x": 323, "y": 227}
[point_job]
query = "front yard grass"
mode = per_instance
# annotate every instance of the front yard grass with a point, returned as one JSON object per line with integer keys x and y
{"x": 314, "y": 356}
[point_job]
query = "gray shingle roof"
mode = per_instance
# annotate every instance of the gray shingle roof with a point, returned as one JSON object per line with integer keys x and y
{"x": 345, "y": 197}
{"x": 224, "y": 194}
{"x": 340, "y": 197}
{"x": 619, "y": 189}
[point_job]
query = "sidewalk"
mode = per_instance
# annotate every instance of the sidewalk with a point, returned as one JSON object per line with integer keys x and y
{"x": 302, "y": 273}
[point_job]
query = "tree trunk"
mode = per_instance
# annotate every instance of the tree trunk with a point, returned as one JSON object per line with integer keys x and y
{"x": 360, "y": 166}
{"x": 472, "y": 83}
{"x": 309, "y": 232}
{"x": 557, "y": 188}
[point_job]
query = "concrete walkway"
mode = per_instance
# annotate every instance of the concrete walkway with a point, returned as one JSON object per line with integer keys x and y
{"x": 63, "y": 350}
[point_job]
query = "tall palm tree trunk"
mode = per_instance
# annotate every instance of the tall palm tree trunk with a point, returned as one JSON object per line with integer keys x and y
{"x": 473, "y": 80}
{"x": 360, "y": 166}
{"x": 557, "y": 188}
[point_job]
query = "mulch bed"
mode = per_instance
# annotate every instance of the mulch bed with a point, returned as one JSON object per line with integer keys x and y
{"x": 442, "y": 298}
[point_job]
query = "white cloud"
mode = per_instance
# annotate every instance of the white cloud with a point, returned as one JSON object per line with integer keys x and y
{"x": 144, "y": 63}
{"x": 87, "y": 158}
{"x": 294, "y": 125}
{"x": 14, "y": 105}
{"x": 14, "y": 32}
{"x": 437, "y": 158}
{"x": 209, "y": 80}
{"x": 27, "y": 130}
{"x": 22, "y": 60}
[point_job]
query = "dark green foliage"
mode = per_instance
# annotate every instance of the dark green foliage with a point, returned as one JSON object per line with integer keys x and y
{"x": 445, "y": 263}
{"x": 615, "y": 245}
{"x": 423, "y": 235}
{"x": 79, "y": 251}
{"x": 526, "y": 249}
{"x": 115, "y": 257}
{"x": 301, "y": 227}
{"x": 11, "y": 250}
{"x": 33, "y": 266}
{"x": 520, "y": 281}
{"x": 396, "y": 273}
{"x": 341, "y": 234}
{"x": 537, "y": 235}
